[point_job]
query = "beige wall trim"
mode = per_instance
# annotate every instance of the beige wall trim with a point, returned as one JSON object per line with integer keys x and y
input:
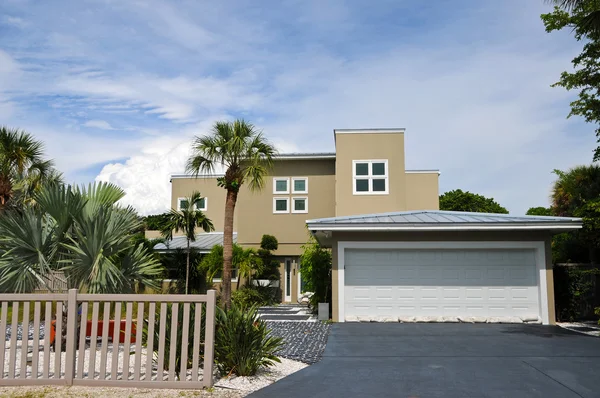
{"x": 399, "y": 130}
{"x": 538, "y": 246}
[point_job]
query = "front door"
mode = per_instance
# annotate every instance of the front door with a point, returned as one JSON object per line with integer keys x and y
{"x": 288, "y": 280}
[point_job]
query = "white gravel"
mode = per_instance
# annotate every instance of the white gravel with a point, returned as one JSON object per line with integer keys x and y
{"x": 263, "y": 377}
{"x": 575, "y": 327}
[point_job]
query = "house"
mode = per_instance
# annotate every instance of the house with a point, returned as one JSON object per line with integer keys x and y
{"x": 366, "y": 174}
{"x": 395, "y": 254}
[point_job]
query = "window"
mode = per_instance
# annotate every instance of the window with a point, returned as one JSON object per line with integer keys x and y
{"x": 281, "y": 205}
{"x": 202, "y": 204}
{"x": 281, "y": 185}
{"x": 299, "y": 205}
{"x": 299, "y": 185}
{"x": 370, "y": 177}
{"x": 234, "y": 275}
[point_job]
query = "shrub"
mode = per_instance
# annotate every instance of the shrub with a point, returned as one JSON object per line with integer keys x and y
{"x": 315, "y": 266}
{"x": 572, "y": 290}
{"x": 269, "y": 242}
{"x": 248, "y": 296}
{"x": 242, "y": 341}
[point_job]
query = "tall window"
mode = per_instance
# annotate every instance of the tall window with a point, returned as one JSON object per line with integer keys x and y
{"x": 370, "y": 177}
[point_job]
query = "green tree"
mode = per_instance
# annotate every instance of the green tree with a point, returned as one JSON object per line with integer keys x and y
{"x": 582, "y": 17}
{"x": 539, "y": 211}
{"x": 245, "y": 261}
{"x": 576, "y": 193}
{"x": 23, "y": 169}
{"x": 155, "y": 222}
{"x": 315, "y": 266}
{"x": 458, "y": 200}
{"x": 80, "y": 231}
{"x": 187, "y": 220}
{"x": 246, "y": 156}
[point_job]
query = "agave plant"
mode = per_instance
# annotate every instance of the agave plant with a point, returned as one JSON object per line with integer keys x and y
{"x": 242, "y": 341}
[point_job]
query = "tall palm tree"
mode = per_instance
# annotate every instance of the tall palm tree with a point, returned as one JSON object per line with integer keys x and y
{"x": 23, "y": 170}
{"x": 590, "y": 9}
{"x": 187, "y": 220}
{"x": 247, "y": 156}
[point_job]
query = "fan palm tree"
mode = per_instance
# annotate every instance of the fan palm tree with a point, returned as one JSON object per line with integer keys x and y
{"x": 187, "y": 220}
{"x": 246, "y": 156}
{"x": 79, "y": 231}
{"x": 590, "y": 9}
{"x": 23, "y": 169}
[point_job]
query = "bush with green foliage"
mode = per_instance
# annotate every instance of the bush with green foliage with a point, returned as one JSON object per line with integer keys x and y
{"x": 174, "y": 263}
{"x": 573, "y": 291}
{"x": 155, "y": 222}
{"x": 458, "y": 200}
{"x": 242, "y": 341}
{"x": 315, "y": 266}
{"x": 270, "y": 270}
{"x": 249, "y": 296}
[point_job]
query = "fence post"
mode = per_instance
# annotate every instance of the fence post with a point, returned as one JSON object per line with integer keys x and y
{"x": 209, "y": 339}
{"x": 71, "y": 336}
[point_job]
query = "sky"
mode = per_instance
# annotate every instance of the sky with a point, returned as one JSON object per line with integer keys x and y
{"x": 117, "y": 89}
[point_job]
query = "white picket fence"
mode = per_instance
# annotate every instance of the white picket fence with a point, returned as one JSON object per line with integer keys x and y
{"x": 137, "y": 350}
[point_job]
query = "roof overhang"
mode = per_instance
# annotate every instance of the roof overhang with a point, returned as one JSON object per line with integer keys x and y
{"x": 435, "y": 227}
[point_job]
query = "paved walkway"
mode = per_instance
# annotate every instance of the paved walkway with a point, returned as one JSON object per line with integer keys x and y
{"x": 448, "y": 360}
{"x": 286, "y": 312}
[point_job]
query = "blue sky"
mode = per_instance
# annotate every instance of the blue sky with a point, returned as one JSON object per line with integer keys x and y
{"x": 117, "y": 89}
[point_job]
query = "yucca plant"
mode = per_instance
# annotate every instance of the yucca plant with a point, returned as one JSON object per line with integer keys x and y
{"x": 242, "y": 341}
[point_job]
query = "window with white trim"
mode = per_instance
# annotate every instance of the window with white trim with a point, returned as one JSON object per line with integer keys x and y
{"x": 234, "y": 276}
{"x": 201, "y": 204}
{"x": 281, "y": 185}
{"x": 370, "y": 177}
{"x": 281, "y": 205}
{"x": 299, "y": 185}
{"x": 300, "y": 205}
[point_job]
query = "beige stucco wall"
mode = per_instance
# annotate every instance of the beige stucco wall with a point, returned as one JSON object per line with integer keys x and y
{"x": 255, "y": 209}
{"x": 183, "y": 187}
{"x": 369, "y": 146}
{"x": 422, "y": 191}
{"x": 444, "y": 236}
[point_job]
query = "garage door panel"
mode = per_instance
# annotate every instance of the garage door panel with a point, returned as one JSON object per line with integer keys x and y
{"x": 441, "y": 282}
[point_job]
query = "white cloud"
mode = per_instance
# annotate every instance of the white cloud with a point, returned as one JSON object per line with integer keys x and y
{"x": 98, "y": 124}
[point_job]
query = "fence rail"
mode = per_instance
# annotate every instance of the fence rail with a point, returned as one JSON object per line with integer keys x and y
{"x": 127, "y": 340}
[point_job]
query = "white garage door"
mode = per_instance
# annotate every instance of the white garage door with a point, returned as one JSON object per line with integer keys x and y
{"x": 394, "y": 282}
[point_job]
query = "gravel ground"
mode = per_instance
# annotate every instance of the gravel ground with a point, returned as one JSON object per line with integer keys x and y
{"x": 20, "y": 331}
{"x": 303, "y": 341}
{"x": 590, "y": 328}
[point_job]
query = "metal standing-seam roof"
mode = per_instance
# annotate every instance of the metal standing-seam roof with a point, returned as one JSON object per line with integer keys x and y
{"x": 441, "y": 220}
{"x": 203, "y": 242}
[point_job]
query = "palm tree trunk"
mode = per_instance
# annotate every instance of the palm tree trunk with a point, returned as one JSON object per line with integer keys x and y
{"x": 228, "y": 248}
{"x": 187, "y": 267}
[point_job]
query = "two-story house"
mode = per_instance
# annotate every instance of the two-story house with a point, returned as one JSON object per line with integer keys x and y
{"x": 394, "y": 253}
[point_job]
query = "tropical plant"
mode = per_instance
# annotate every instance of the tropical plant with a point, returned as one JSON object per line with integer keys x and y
{"x": 315, "y": 266}
{"x": 198, "y": 283}
{"x": 458, "y": 200}
{"x": 576, "y": 193}
{"x": 246, "y": 156}
{"x": 270, "y": 270}
{"x": 187, "y": 220}
{"x": 245, "y": 261}
{"x": 79, "y": 231}
{"x": 249, "y": 296}
{"x": 243, "y": 343}
{"x": 582, "y": 18}
{"x": 23, "y": 169}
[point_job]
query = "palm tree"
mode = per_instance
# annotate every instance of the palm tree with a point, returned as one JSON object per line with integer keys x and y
{"x": 79, "y": 231}
{"x": 246, "y": 261}
{"x": 590, "y": 9}
{"x": 187, "y": 220}
{"x": 23, "y": 169}
{"x": 246, "y": 156}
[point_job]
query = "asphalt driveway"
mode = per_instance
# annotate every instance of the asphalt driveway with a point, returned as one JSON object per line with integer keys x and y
{"x": 448, "y": 360}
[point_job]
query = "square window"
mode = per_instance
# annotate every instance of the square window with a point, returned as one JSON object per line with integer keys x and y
{"x": 300, "y": 205}
{"x": 183, "y": 204}
{"x": 201, "y": 204}
{"x": 299, "y": 185}
{"x": 362, "y": 185}
{"x": 378, "y": 169}
{"x": 281, "y": 185}
{"x": 280, "y": 205}
{"x": 378, "y": 185}
{"x": 362, "y": 169}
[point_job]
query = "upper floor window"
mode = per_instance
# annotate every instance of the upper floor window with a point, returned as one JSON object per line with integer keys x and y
{"x": 281, "y": 185}
{"x": 202, "y": 204}
{"x": 370, "y": 177}
{"x": 281, "y": 205}
{"x": 299, "y": 185}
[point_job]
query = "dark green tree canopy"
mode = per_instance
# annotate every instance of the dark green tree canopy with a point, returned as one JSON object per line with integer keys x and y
{"x": 581, "y": 17}
{"x": 458, "y": 200}
{"x": 539, "y": 211}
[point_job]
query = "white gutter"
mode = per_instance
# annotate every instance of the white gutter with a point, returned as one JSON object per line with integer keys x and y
{"x": 508, "y": 227}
